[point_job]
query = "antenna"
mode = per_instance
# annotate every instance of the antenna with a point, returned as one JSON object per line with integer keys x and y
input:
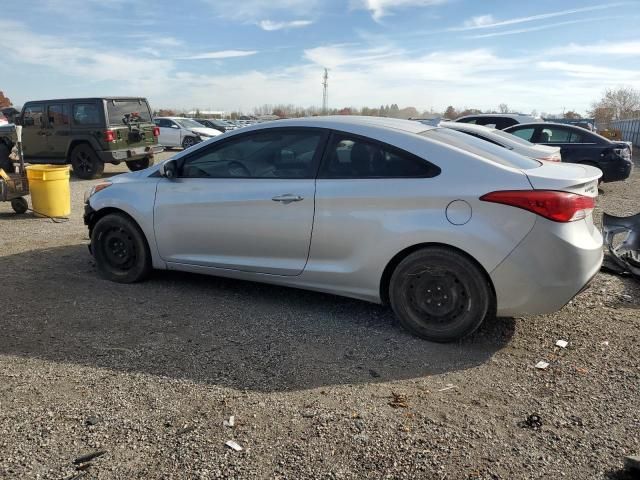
{"x": 325, "y": 92}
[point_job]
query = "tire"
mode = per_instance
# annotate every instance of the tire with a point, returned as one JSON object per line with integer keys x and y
{"x": 5, "y": 163}
{"x": 439, "y": 294}
{"x": 86, "y": 164}
{"x": 188, "y": 142}
{"x": 20, "y": 205}
{"x": 140, "y": 164}
{"x": 120, "y": 249}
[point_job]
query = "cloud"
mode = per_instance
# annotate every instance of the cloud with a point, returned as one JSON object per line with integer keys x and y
{"x": 479, "y": 21}
{"x": 251, "y": 11}
{"x": 381, "y": 8}
{"x": 629, "y": 48}
{"x": 547, "y": 26}
{"x": 270, "y": 25}
{"x": 470, "y": 25}
{"x": 220, "y": 55}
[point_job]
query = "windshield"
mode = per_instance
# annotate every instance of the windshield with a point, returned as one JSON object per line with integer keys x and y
{"x": 187, "y": 123}
{"x": 481, "y": 148}
{"x": 134, "y": 110}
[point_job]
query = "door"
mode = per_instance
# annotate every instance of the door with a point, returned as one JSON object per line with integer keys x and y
{"x": 573, "y": 147}
{"x": 243, "y": 203}
{"x": 34, "y": 142}
{"x": 169, "y": 132}
{"x": 58, "y": 130}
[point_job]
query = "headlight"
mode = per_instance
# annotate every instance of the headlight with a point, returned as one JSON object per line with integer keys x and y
{"x": 95, "y": 189}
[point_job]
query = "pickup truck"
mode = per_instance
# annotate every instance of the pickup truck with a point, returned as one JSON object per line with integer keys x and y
{"x": 85, "y": 132}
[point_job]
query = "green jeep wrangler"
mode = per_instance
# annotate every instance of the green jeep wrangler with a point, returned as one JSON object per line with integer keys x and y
{"x": 87, "y": 133}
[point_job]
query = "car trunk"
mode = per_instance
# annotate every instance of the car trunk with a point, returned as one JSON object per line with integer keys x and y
{"x": 567, "y": 177}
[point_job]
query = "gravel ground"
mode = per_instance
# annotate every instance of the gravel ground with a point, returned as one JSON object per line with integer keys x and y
{"x": 319, "y": 386}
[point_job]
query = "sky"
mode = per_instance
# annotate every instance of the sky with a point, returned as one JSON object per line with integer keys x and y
{"x": 543, "y": 55}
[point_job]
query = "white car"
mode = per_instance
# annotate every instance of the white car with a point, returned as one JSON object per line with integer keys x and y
{"x": 182, "y": 132}
{"x": 507, "y": 140}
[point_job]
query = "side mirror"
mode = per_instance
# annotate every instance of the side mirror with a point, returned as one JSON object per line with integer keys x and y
{"x": 169, "y": 169}
{"x": 175, "y": 126}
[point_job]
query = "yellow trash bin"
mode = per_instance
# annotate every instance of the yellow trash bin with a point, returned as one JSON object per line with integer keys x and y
{"x": 49, "y": 185}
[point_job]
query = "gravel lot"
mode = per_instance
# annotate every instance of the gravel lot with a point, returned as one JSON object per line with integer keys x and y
{"x": 320, "y": 386}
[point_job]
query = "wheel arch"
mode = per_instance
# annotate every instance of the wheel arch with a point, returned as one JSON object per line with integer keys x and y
{"x": 103, "y": 212}
{"x": 76, "y": 142}
{"x": 385, "y": 280}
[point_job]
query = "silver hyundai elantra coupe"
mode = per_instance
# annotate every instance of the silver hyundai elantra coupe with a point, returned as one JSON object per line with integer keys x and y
{"x": 445, "y": 228}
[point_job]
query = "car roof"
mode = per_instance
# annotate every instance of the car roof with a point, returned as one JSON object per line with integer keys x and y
{"x": 547, "y": 124}
{"x": 498, "y": 115}
{"x": 341, "y": 121}
{"x": 84, "y": 99}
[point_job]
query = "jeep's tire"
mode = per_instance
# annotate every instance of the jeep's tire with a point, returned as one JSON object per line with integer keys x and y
{"x": 5, "y": 162}
{"x": 188, "y": 142}
{"x": 85, "y": 162}
{"x": 439, "y": 294}
{"x": 140, "y": 164}
{"x": 120, "y": 249}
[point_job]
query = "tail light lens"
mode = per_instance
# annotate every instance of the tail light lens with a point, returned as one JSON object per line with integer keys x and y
{"x": 109, "y": 136}
{"x": 557, "y": 206}
{"x": 156, "y": 131}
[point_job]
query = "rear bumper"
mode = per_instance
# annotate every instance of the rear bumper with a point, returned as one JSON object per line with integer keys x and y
{"x": 117, "y": 156}
{"x": 551, "y": 265}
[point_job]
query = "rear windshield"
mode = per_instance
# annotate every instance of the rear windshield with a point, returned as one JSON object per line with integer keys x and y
{"x": 133, "y": 110}
{"x": 481, "y": 148}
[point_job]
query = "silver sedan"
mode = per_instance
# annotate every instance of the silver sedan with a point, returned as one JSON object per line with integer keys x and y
{"x": 446, "y": 228}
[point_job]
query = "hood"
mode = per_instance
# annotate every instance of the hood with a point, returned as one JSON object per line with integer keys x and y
{"x": 211, "y": 132}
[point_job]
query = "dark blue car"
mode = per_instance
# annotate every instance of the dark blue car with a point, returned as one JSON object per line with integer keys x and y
{"x": 578, "y": 145}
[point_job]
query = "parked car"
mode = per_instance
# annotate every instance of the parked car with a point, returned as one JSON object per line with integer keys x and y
{"x": 507, "y": 140}
{"x": 442, "y": 226}
{"x": 220, "y": 125}
{"x": 182, "y": 132}
{"x": 87, "y": 132}
{"x": 498, "y": 120}
{"x": 578, "y": 145}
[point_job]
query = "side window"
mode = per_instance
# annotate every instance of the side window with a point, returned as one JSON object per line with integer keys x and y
{"x": 163, "y": 122}
{"x": 33, "y": 116}
{"x": 576, "y": 138}
{"x": 86, "y": 114}
{"x": 354, "y": 157}
{"x": 58, "y": 115}
{"x": 269, "y": 154}
{"x": 554, "y": 135}
{"x": 524, "y": 133}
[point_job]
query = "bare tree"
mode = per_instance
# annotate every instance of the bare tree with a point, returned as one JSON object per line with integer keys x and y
{"x": 571, "y": 115}
{"x": 503, "y": 108}
{"x": 616, "y": 104}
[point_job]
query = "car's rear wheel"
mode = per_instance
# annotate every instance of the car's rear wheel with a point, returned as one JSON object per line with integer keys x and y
{"x": 140, "y": 164}
{"x": 5, "y": 162}
{"x": 85, "y": 162}
{"x": 188, "y": 142}
{"x": 120, "y": 249}
{"x": 439, "y": 294}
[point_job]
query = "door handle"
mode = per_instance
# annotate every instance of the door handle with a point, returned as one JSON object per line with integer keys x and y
{"x": 287, "y": 198}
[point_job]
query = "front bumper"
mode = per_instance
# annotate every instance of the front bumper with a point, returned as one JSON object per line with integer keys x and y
{"x": 117, "y": 156}
{"x": 551, "y": 265}
{"x": 616, "y": 170}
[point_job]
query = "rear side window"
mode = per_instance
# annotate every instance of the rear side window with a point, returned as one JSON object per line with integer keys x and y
{"x": 125, "y": 111}
{"x": 350, "y": 156}
{"x": 481, "y": 148}
{"x": 86, "y": 114}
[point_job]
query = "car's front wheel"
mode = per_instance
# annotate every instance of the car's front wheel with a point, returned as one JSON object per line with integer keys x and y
{"x": 140, "y": 164}
{"x": 120, "y": 249}
{"x": 188, "y": 142}
{"x": 439, "y": 294}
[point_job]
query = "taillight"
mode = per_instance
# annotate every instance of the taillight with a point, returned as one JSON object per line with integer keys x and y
{"x": 156, "y": 131}
{"x": 109, "y": 136}
{"x": 556, "y": 206}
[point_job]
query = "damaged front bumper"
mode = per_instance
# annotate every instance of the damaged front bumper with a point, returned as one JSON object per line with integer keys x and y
{"x": 624, "y": 253}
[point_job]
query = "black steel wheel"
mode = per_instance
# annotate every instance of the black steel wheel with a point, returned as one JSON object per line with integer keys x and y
{"x": 188, "y": 142}
{"x": 85, "y": 162}
{"x": 439, "y": 294}
{"x": 120, "y": 249}
{"x": 140, "y": 164}
{"x": 20, "y": 205}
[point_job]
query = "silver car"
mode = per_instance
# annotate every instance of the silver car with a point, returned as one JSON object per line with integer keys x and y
{"x": 445, "y": 228}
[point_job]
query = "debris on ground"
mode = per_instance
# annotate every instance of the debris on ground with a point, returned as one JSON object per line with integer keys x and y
{"x": 399, "y": 400}
{"x": 92, "y": 420}
{"x": 624, "y": 257}
{"x": 542, "y": 365}
{"x": 448, "y": 387}
{"x": 230, "y": 423}
{"x": 233, "y": 445}
{"x": 88, "y": 457}
{"x": 533, "y": 421}
{"x": 186, "y": 429}
{"x": 562, "y": 343}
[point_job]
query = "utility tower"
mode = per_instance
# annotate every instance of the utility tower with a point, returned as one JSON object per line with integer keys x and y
{"x": 325, "y": 92}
